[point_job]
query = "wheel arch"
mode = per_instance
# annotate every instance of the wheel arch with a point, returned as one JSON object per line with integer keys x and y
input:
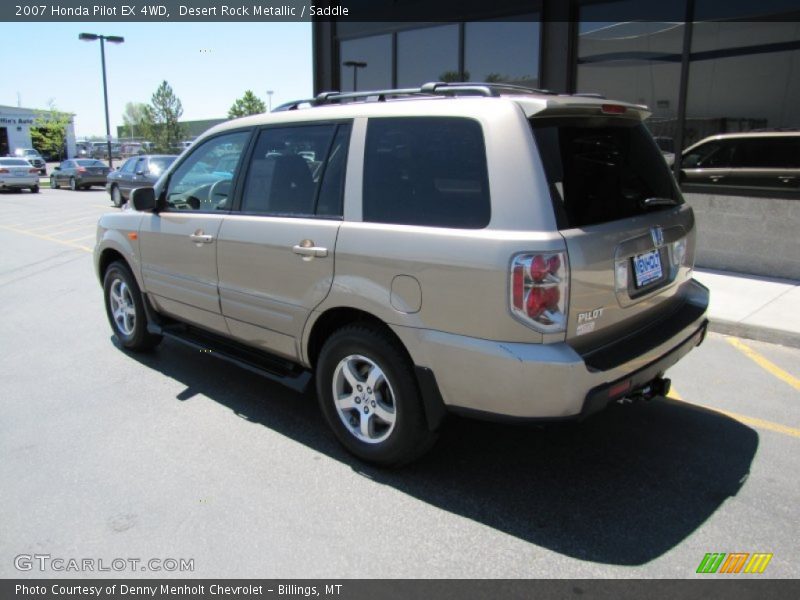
{"x": 335, "y": 318}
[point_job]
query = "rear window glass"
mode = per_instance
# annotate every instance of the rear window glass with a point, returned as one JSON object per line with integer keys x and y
{"x": 427, "y": 171}
{"x": 90, "y": 163}
{"x": 602, "y": 169}
{"x": 14, "y": 162}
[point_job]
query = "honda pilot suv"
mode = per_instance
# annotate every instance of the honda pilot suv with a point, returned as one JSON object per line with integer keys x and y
{"x": 480, "y": 249}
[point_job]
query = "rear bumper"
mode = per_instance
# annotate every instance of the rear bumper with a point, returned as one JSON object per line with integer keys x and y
{"x": 91, "y": 180}
{"x": 19, "y": 182}
{"x": 501, "y": 380}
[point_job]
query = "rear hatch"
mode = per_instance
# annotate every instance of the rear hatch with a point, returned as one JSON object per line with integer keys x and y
{"x": 629, "y": 235}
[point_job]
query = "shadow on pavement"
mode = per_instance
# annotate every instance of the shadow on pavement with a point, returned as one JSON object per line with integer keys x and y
{"x": 621, "y": 488}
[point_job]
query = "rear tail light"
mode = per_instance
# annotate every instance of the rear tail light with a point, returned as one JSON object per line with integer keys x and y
{"x": 33, "y": 170}
{"x": 4, "y": 171}
{"x": 539, "y": 290}
{"x": 81, "y": 169}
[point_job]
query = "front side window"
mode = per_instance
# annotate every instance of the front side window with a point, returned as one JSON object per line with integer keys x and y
{"x": 128, "y": 166}
{"x": 712, "y": 155}
{"x": 204, "y": 181}
{"x": 286, "y": 169}
{"x": 426, "y": 171}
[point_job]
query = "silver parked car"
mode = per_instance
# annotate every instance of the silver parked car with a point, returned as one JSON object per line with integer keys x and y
{"x": 17, "y": 174}
{"x": 475, "y": 248}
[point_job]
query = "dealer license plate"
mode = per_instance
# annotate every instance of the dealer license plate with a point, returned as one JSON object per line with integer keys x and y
{"x": 647, "y": 268}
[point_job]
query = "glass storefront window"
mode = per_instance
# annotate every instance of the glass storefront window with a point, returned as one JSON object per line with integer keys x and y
{"x": 503, "y": 51}
{"x": 376, "y": 52}
{"x": 429, "y": 54}
{"x": 742, "y": 76}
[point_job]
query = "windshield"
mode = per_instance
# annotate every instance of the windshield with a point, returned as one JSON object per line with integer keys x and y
{"x": 602, "y": 169}
{"x": 159, "y": 163}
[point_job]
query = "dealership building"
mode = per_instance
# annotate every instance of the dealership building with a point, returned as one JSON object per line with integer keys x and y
{"x": 15, "y": 129}
{"x": 702, "y": 67}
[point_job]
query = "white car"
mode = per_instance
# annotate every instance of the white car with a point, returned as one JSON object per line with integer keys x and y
{"x": 18, "y": 173}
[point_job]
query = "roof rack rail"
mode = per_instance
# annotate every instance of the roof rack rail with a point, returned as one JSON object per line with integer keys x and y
{"x": 432, "y": 88}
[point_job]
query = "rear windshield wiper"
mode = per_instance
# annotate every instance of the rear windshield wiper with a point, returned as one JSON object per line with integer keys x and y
{"x": 655, "y": 201}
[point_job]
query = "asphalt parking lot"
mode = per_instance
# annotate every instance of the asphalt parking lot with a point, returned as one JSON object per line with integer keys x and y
{"x": 177, "y": 455}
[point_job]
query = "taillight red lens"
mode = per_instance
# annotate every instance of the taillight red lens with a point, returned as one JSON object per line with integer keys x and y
{"x": 81, "y": 169}
{"x": 554, "y": 264}
{"x": 518, "y": 285}
{"x": 4, "y": 171}
{"x": 538, "y": 268}
{"x": 536, "y": 302}
{"x": 33, "y": 170}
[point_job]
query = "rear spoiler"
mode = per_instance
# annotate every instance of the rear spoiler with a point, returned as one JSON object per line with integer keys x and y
{"x": 572, "y": 106}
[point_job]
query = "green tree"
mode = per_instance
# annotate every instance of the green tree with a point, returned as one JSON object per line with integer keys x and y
{"x": 134, "y": 118}
{"x": 249, "y": 104}
{"x": 163, "y": 117}
{"x": 454, "y": 76}
{"x": 49, "y": 131}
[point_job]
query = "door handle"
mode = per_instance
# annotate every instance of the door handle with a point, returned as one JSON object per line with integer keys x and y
{"x": 198, "y": 237}
{"x": 787, "y": 178}
{"x": 308, "y": 250}
{"x": 715, "y": 178}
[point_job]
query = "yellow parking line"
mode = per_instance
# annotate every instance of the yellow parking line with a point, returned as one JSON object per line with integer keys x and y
{"x": 765, "y": 364}
{"x": 47, "y": 238}
{"x": 49, "y": 217}
{"x": 755, "y": 422}
{"x": 90, "y": 218}
{"x": 86, "y": 237}
{"x": 84, "y": 226}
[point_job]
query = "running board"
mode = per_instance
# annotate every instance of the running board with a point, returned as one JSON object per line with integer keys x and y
{"x": 261, "y": 363}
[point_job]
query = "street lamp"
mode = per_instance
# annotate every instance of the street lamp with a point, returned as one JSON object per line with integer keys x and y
{"x": 356, "y": 64}
{"x": 269, "y": 95}
{"x": 114, "y": 39}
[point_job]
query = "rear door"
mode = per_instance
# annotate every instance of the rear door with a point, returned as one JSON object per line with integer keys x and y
{"x": 276, "y": 254}
{"x": 629, "y": 235}
{"x": 179, "y": 244}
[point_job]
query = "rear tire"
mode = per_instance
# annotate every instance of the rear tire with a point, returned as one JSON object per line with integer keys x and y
{"x": 72, "y": 185}
{"x": 369, "y": 396}
{"x": 35, "y": 189}
{"x": 125, "y": 309}
{"x": 53, "y": 183}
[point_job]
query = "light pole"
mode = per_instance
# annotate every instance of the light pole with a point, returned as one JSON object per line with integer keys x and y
{"x": 269, "y": 95}
{"x": 356, "y": 64}
{"x": 114, "y": 39}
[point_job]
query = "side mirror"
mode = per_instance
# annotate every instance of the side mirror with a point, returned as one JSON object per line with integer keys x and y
{"x": 57, "y": 168}
{"x": 140, "y": 172}
{"x": 144, "y": 199}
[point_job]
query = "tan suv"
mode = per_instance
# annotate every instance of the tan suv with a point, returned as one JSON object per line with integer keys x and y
{"x": 482, "y": 249}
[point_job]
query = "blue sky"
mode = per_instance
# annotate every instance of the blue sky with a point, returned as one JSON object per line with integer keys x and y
{"x": 208, "y": 65}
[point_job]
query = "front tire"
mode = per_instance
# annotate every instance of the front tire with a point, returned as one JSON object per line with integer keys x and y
{"x": 369, "y": 396}
{"x": 116, "y": 196}
{"x": 53, "y": 182}
{"x": 125, "y": 309}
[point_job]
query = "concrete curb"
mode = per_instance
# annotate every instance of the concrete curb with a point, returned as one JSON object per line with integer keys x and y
{"x": 755, "y": 332}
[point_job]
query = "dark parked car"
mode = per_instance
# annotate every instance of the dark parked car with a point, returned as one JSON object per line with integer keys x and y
{"x": 137, "y": 171}
{"x": 79, "y": 173}
{"x": 757, "y": 160}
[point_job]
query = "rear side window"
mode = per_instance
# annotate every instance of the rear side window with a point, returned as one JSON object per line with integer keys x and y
{"x": 602, "y": 169}
{"x": 427, "y": 171}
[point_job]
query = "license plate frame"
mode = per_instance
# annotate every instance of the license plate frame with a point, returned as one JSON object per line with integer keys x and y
{"x": 647, "y": 268}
